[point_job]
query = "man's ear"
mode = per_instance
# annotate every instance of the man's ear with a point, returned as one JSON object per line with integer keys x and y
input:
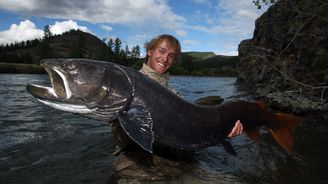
{"x": 149, "y": 52}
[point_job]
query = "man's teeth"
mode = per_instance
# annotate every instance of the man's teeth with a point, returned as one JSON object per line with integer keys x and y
{"x": 161, "y": 64}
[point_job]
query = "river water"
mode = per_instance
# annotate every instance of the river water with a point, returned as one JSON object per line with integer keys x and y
{"x": 39, "y": 144}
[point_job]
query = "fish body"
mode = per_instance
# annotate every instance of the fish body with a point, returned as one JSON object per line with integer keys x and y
{"x": 149, "y": 113}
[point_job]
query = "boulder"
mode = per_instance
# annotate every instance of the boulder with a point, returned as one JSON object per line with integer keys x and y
{"x": 286, "y": 60}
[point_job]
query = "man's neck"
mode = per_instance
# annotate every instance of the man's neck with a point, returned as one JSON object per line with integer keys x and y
{"x": 151, "y": 73}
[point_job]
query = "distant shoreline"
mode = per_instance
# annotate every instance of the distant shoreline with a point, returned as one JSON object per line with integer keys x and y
{"x": 37, "y": 69}
{"x": 21, "y": 68}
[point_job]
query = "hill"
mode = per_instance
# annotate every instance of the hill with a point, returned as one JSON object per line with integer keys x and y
{"x": 78, "y": 44}
{"x": 70, "y": 44}
{"x": 205, "y": 63}
{"x": 197, "y": 56}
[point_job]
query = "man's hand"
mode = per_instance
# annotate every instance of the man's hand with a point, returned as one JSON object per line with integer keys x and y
{"x": 236, "y": 130}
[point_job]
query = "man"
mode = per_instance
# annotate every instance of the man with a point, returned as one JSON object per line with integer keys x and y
{"x": 161, "y": 53}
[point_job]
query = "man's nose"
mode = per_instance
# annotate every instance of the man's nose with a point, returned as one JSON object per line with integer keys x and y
{"x": 166, "y": 57}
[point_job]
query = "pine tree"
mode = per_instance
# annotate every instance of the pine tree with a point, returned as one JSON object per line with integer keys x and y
{"x": 47, "y": 33}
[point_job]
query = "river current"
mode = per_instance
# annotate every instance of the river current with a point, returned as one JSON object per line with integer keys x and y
{"x": 39, "y": 144}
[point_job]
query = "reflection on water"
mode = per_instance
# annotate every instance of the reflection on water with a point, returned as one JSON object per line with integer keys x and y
{"x": 193, "y": 88}
{"x": 39, "y": 144}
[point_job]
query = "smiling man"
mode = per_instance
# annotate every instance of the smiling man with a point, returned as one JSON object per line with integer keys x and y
{"x": 162, "y": 51}
{"x": 161, "y": 54}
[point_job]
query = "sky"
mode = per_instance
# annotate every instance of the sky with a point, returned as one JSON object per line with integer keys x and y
{"x": 200, "y": 25}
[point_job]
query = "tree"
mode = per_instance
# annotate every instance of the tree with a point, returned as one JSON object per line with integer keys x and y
{"x": 104, "y": 54}
{"x": 47, "y": 33}
{"x": 110, "y": 44}
{"x": 44, "y": 47}
{"x": 135, "y": 53}
{"x": 127, "y": 51}
{"x": 187, "y": 63}
{"x": 259, "y": 3}
{"x": 117, "y": 46}
{"x": 26, "y": 58}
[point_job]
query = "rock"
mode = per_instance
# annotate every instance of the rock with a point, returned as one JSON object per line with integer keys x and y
{"x": 297, "y": 104}
{"x": 137, "y": 166}
{"x": 288, "y": 55}
{"x": 209, "y": 100}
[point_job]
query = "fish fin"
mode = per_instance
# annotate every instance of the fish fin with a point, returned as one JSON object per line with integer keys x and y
{"x": 138, "y": 125}
{"x": 282, "y": 130}
{"x": 254, "y": 134}
{"x": 262, "y": 104}
{"x": 228, "y": 147}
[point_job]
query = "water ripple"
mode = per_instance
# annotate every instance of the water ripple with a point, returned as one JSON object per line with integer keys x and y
{"x": 39, "y": 144}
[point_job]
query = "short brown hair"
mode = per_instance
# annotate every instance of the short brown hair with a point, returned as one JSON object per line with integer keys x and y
{"x": 174, "y": 42}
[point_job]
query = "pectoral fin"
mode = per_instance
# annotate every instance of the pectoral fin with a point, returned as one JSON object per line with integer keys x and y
{"x": 138, "y": 125}
{"x": 228, "y": 147}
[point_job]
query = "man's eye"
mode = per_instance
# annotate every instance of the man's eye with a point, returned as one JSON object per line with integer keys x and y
{"x": 172, "y": 56}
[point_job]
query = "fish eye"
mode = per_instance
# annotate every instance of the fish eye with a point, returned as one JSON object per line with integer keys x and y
{"x": 68, "y": 66}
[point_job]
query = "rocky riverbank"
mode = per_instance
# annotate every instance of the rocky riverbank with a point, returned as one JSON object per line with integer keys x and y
{"x": 286, "y": 60}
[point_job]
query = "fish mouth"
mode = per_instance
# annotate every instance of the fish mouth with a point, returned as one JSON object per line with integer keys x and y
{"x": 58, "y": 95}
{"x": 57, "y": 91}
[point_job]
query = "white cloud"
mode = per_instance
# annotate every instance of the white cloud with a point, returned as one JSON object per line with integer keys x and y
{"x": 128, "y": 12}
{"x": 200, "y": 28}
{"x": 190, "y": 42}
{"x": 105, "y": 27}
{"x": 239, "y": 15}
{"x": 25, "y": 30}
{"x": 227, "y": 49}
{"x": 233, "y": 17}
{"x": 181, "y": 33}
{"x": 64, "y": 26}
{"x": 228, "y": 52}
{"x": 247, "y": 14}
{"x": 188, "y": 45}
{"x": 138, "y": 39}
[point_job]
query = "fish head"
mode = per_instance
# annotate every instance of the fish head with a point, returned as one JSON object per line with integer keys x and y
{"x": 96, "y": 89}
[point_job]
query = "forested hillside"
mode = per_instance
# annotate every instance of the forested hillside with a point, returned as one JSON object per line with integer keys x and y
{"x": 78, "y": 44}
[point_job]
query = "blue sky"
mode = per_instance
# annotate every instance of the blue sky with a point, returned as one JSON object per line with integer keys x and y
{"x": 200, "y": 25}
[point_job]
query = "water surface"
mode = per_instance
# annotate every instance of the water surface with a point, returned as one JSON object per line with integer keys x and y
{"x": 39, "y": 144}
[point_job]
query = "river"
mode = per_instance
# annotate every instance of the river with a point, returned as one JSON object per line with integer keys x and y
{"x": 39, "y": 144}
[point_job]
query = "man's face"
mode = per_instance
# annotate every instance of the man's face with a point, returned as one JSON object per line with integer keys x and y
{"x": 161, "y": 57}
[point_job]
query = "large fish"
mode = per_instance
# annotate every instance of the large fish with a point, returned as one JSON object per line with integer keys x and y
{"x": 149, "y": 113}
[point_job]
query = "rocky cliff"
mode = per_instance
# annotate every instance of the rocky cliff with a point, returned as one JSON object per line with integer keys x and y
{"x": 287, "y": 58}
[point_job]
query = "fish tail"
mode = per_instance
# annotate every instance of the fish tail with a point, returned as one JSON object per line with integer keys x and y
{"x": 282, "y": 130}
{"x": 262, "y": 104}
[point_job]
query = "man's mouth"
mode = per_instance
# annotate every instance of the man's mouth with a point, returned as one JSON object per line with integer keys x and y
{"x": 163, "y": 65}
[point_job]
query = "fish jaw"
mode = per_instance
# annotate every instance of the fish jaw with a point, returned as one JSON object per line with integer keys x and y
{"x": 83, "y": 86}
{"x": 58, "y": 95}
